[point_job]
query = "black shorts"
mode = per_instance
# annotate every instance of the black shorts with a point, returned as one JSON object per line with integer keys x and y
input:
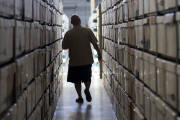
{"x": 79, "y": 74}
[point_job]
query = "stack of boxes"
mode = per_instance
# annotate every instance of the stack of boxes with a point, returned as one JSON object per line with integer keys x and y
{"x": 30, "y": 58}
{"x": 141, "y": 58}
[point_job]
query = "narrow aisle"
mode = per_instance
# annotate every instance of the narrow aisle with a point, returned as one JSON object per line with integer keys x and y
{"x": 99, "y": 109}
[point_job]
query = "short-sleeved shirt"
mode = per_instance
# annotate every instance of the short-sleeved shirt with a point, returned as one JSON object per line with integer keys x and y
{"x": 78, "y": 40}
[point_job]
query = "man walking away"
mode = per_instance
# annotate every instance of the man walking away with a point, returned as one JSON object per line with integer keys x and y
{"x": 78, "y": 41}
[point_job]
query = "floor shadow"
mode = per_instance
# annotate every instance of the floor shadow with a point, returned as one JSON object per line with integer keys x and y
{"x": 82, "y": 114}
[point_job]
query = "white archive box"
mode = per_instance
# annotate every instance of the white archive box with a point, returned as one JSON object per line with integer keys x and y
{"x": 6, "y": 40}
{"x": 146, "y": 27}
{"x": 27, "y": 36}
{"x": 153, "y": 109}
{"x": 36, "y": 10}
{"x": 21, "y": 107}
{"x": 20, "y": 76}
{"x": 36, "y": 35}
{"x": 131, "y": 9}
{"x": 131, "y": 33}
{"x": 161, "y": 39}
{"x": 170, "y": 4}
{"x": 19, "y": 8}
{"x": 146, "y": 69}
{"x": 146, "y": 6}
{"x": 39, "y": 87}
{"x": 136, "y": 8}
{"x": 147, "y": 103}
{"x": 153, "y": 34}
{"x": 152, "y": 6}
{"x": 7, "y": 8}
{"x": 139, "y": 64}
{"x": 138, "y": 115}
{"x": 19, "y": 38}
{"x": 141, "y": 7}
{"x": 126, "y": 10}
{"x": 178, "y": 74}
{"x": 31, "y": 92}
{"x": 170, "y": 114}
{"x": 131, "y": 59}
{"x": 152, "y": 76}
{"x": 28, "y": 9}
{"x": 150, "y": 70}
{"x": 139, "y": 93}
{"x": 171, "y": 84}
{"x": 30, "y": 67}
{"x": 42, "y": 30}
{"x": 160, "y": 109}
{"x": 121, "y": 12}
{"x": 48, "y": 15}
{"x": 139, "y": 33}
{"x": 7, "y": 75}
{"x": 170, "y": 33}
{"x": 161, "y": 77}
{"x": 178, "y": 31}
{"x": 126, "y": 63}
{"x": 160, "y": 5}
{"x": 42, "y": 11}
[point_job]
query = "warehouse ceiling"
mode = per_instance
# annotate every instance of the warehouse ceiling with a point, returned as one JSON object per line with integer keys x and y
{"x": 79, "y": 7}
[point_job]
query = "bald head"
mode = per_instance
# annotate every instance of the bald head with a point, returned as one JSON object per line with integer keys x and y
{"x": 75, "y": 20}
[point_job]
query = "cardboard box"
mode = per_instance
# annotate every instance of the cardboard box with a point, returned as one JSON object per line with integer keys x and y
{"x": 170, "y": 114}
{"x": 161, "y": 111}
{"x": 153, "y": 6}
{"x": 6, "y": 42}
{"x": 146, "y": 69}
{"x": 178, "y": 75}
{"x": 131, "y": 33}
{"x": 36, "y": 10}
{"x": 170, "y": 4}
{"x": 28, "y": 5}
{"x": 18, "y": 8}
{"x": 7, "y": 8}
{"x": 146, "y": 27}
{"x": 131, "y": 9}
{"x": 139, "y": 33}
{"x": 153, "y": 34}
{"x": 27, "y": 36}
{"x": 169, "y": 21}
{"x": 136, "y": 8}
{"x": 178, "y": 33}
{"x": 126, "y": 12}
{"x": 160, "y": 5}
{"x": 20, "y": 39}
{"x": 138, "y": 114}
{"x": 147, "y": 103}
{"x": 139, "y": 90}
{"x": 131, "y": 59}
{"x": 146, "y": 6}
{"x": 161, "y": 77}
{"x": 141, "y": 7}
{"x": 161, "y": 43}
{"x": 7, "y": 93}
{"x": 154, "y": 111}
{"x": 152, "y": 72}
{"x": 21, "y": 107}
{"x": 171, "y": 84}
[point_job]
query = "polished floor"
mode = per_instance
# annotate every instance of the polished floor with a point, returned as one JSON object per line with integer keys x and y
{"x": 99, "y": 109}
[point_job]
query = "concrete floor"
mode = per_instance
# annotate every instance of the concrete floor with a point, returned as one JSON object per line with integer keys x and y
{"x": 99, "y": 109}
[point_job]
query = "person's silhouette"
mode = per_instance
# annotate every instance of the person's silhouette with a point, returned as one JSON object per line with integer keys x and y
{"x": 77, "y": 41}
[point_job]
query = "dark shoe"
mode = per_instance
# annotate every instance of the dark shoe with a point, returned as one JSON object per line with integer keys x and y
{"x": 88, "y": 95}
{"x": 79, "y": 100}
